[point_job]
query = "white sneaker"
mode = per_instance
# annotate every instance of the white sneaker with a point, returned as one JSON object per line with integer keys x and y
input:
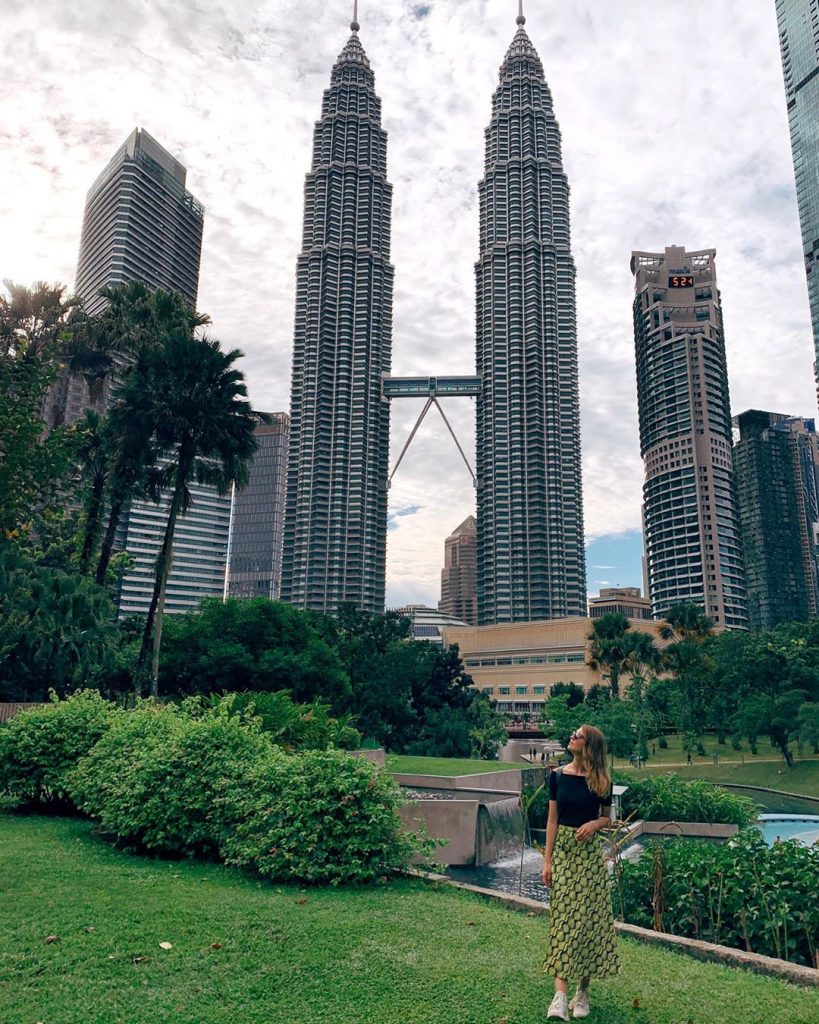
{"x": 558, "y": 1008}
{"x": 580, "y": 1003}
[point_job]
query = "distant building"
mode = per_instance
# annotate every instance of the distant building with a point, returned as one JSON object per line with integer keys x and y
{"x": 459, "y": 587}
{"x": 427, "y": 623}
{"x": 517, "y": 664}
{"x": 798, "y": 24}
{"x": 776, "y": 460}
{"x": 626, "y": 601}
{"x": 257, "y": 517}
{"x": 690, "y": 515}
{"x": 140, "y": 224}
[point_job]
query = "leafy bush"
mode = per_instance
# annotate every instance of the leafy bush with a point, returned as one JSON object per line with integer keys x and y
{"x": 41, "y": 746}
{"x": 740, "y": 893}
{"x": 670, "y": 798}
{"x": 318, "y": 817}
{"x": 298, "y": 726}
{"x": 156, "y": 778}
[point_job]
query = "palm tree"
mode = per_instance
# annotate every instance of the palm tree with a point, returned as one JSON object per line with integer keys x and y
{"x": 135, "y": 323}
{"x": 34, "y": 320}
{"x": 609, "y": 649}
{"x": 688, "y": 628}
{"x": 644, "y": 659}
{"x": 204, "y": 428}
{"x": 92, "y": 454}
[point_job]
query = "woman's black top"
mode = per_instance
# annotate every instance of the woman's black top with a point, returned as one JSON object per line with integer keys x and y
{"x": 576, "y": 803}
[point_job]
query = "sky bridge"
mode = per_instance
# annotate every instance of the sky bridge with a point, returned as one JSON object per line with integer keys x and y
{"x": 431, "y": 388}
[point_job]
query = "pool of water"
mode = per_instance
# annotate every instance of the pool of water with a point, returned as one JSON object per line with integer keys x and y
{"x": 804, "y": 827}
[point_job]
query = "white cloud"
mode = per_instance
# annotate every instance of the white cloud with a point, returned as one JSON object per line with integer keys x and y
{"x": 674, "y": 131}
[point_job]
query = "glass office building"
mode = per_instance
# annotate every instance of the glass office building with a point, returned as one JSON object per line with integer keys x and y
{"x": 257, "y": 517}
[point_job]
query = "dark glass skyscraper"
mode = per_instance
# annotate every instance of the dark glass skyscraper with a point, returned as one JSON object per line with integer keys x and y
{"x": 776, "y": 461}
{"x": 531, "y": 560}
{"x": 335, "y": 532}
{"x": 257, "y": 517}
{"x": 798, "y": 22}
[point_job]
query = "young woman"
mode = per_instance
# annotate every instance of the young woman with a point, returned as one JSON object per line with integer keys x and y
{"x": 582, "y": 944}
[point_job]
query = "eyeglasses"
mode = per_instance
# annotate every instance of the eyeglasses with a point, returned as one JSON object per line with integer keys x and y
{"x": 577, "y": 736}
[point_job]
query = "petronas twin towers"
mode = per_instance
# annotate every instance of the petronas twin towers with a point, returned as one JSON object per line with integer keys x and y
{"x": 530, "y": 518}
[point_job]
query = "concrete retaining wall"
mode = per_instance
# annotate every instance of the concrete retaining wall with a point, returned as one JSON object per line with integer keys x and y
{"x": 726, "y": 955}
{"x": 705, "y": 829}
{"x": 511, "y": 781}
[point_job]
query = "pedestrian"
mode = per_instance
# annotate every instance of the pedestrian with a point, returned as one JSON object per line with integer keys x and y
{"x": 543, "y": 757}
{"x": 688, "y": 758}
{"x": 582, "y": 942}
{"x": 653, "y": 750}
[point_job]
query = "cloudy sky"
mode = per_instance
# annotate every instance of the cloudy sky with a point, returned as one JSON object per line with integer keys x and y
{"x": 674, "y": 132}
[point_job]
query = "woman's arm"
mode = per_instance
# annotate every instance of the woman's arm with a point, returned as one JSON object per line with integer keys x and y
{"x": 551, "y": 835}
{"x": 587, "y": 830}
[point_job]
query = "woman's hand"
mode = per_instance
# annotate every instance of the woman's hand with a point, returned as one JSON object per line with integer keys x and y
{"x": 585, "y": 832}
{"x": 546, "y": 873}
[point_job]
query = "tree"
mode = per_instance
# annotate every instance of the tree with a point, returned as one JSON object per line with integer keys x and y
{"x": 807, "y": 725}
{"x": 56, "y": 629}
{"x": 609, "y": 648}
{"x": 575, "y": 693}
{"x": 257, "y": 645}
{"x": 487, "y": 728}
{"x": 687, "y": 657}
{"x": 92, "y": 454}
{"x": 204, "y": 428}
{"x": 34, "y": 324}
{"x": 643, "y": 661}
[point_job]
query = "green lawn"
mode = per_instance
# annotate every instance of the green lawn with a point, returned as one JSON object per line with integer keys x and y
{"x": 803, "y": 778}
{"x": 447, "y": 765}
{"x": 246, "y": 953}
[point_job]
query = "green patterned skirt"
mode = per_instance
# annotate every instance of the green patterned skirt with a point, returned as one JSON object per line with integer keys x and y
{"x": 582, "y": 942}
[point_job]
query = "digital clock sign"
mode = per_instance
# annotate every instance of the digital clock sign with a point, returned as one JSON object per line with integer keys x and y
{"x": 681, "y": 281}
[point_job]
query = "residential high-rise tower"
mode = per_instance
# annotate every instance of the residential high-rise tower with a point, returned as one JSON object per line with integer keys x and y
{"x": 798, "y": 23}
{"x": 335, "y": 528}
{"x": 531, "y": 560}
{"x": 690, "y": 517}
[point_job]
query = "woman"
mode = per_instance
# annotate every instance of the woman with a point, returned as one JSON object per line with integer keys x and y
{"x": 582, "y": 944}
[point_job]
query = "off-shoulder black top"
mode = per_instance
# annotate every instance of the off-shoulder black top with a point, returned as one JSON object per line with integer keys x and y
{"x": 576, "y": 803}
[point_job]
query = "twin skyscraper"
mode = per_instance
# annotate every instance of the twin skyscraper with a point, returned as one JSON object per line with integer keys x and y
{"x": 531, "y": 562}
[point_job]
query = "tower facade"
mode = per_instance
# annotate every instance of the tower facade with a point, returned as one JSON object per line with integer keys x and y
{"x": 459, "y": 590}
{"x": 531, "y": 559}
{"x": 140, "y": 224}
{"x": 798, "y": 23}
{"x": 257, "y": 516}
{"x": 690, "y": 516}
{"x": 776, "y": 460}
{"x": 335, "y": 531}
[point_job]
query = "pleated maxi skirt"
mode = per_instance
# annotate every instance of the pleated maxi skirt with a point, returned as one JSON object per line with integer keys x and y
{"x": 582, "y": 942}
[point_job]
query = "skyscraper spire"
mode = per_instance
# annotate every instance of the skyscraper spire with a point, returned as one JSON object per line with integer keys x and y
{"x": 335, "y": 524}
{"x": 354, "y": 26}
{"x": 531, "y": 561}
{"x": 520, "y": 20}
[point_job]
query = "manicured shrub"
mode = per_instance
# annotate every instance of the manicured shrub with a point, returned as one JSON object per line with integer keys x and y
{"x": 671, "y": 798}
{"x": 740, "y": 893}
{"x": 41, "y": 746}
{"x": 155, "y": 780}
{"x": 318, "y": 817}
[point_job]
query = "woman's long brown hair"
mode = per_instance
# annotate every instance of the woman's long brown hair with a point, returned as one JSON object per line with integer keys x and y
{"x": 594, "y": 756}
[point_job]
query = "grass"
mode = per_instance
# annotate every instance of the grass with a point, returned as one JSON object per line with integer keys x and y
{"x": 675, "y": 754}
{"x": 803, "y": 778}
{"x": 447, "y": 765}
{"x": 246, "y": 953}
